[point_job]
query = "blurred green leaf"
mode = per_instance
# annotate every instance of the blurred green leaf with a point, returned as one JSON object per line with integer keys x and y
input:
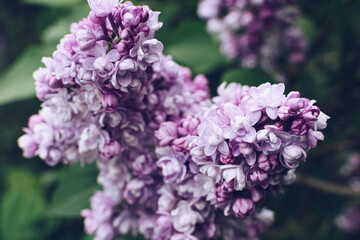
{"x": 194, "y": 48}
{"x": 74, "y": 191}
{"x": 250, "y": 77}
{"x": 57, "y": 30}
{"x": 17, "y": 82}
{"x": 22, "y": 205}
{"x": 53, "y": 3}
{"x": 307, "y": 26}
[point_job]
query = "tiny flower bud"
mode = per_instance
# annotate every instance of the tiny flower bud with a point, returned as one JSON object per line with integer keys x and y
{"x": 243, "y": 207}
{"x": 110, "y": 102}
{"x": 111, "y": 149}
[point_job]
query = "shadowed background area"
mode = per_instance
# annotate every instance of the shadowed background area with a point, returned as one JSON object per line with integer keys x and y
{"x": 39, "y": 202}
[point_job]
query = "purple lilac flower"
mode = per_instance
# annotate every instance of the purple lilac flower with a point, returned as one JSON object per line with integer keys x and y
{"x": 256, "y": 33}
{"x": 263, "y": 150}
{"x": 172, "y": 164}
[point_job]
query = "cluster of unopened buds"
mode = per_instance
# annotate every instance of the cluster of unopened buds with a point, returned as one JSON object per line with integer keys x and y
{"x": 256, "y": 32}
{"x": 173, "y": 163}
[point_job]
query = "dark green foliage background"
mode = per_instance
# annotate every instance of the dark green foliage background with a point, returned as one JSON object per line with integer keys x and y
{"x": 39, "y": 202}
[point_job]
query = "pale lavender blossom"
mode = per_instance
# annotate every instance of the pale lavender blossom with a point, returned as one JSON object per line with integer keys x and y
{"x": 102, "y": 7}
{"x": 147, "y": 51}
{"x": 184, "y": 218}
{"x": 172, "y": 165}
{"x": 101, "y": 61}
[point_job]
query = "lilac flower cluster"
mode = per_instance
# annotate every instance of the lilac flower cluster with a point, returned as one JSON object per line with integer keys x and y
{"x": 232, "y": 156}
{"x": 95, "y": 87}
{"x": 256, "y": 32}
{"x": 349, "y": 219}
{"x": 351, "y": 171}
{"x": 173, "y": 165}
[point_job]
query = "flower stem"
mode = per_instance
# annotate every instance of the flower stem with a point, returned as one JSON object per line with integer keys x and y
{"x": 327, "y": 187}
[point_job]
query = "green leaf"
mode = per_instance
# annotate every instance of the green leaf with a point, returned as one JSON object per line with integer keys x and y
{"x": 57, "y": 30}
{"x": 22, "y": 205}
{"x": 194, "y": 48}
{"x": 17, "y": 83}
{"x": 250, "y": 77}
{"x": 53, "y": 3}
{"x": 307, "y": 26}
{"x": 74, "y": 191}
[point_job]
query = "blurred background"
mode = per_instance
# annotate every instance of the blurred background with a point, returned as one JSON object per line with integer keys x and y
{"x": 39, "y": 202}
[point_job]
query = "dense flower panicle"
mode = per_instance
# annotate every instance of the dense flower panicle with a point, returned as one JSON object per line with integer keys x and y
{"x": 93, "y": 93}
{"x": 256, "y": 33}
{"x": 172, "y": 163}
{"x": 246, "y": 146}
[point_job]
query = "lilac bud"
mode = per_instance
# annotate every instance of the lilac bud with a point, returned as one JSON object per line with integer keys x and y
{"x": 180, "y": 145}
{"x": 268, "y": 163}
{"x": 131, "y": 17}
{"x": 110, "y": 102}
{"x": 297, "y": 103}
{"x": 144, "y": 16}
{"x": 188, "y": 126}
{"x": 125, "y": 34}
{"x": 224, "y": 191}
{"x": 243, "y": 207}
{"x": 311, "y": 114}
{"x": 256, "y": 176}
{"x": 284, "y": 112}
{"x": 111, "y": 149}
{"x": 145, "y": 29}
{"x": 227, "y": 159}
{"x": 299, "y": 127}
{"x": 242, "y": 148}
{"x": 291, "y": 156}
{"x": 122, "y": 47}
